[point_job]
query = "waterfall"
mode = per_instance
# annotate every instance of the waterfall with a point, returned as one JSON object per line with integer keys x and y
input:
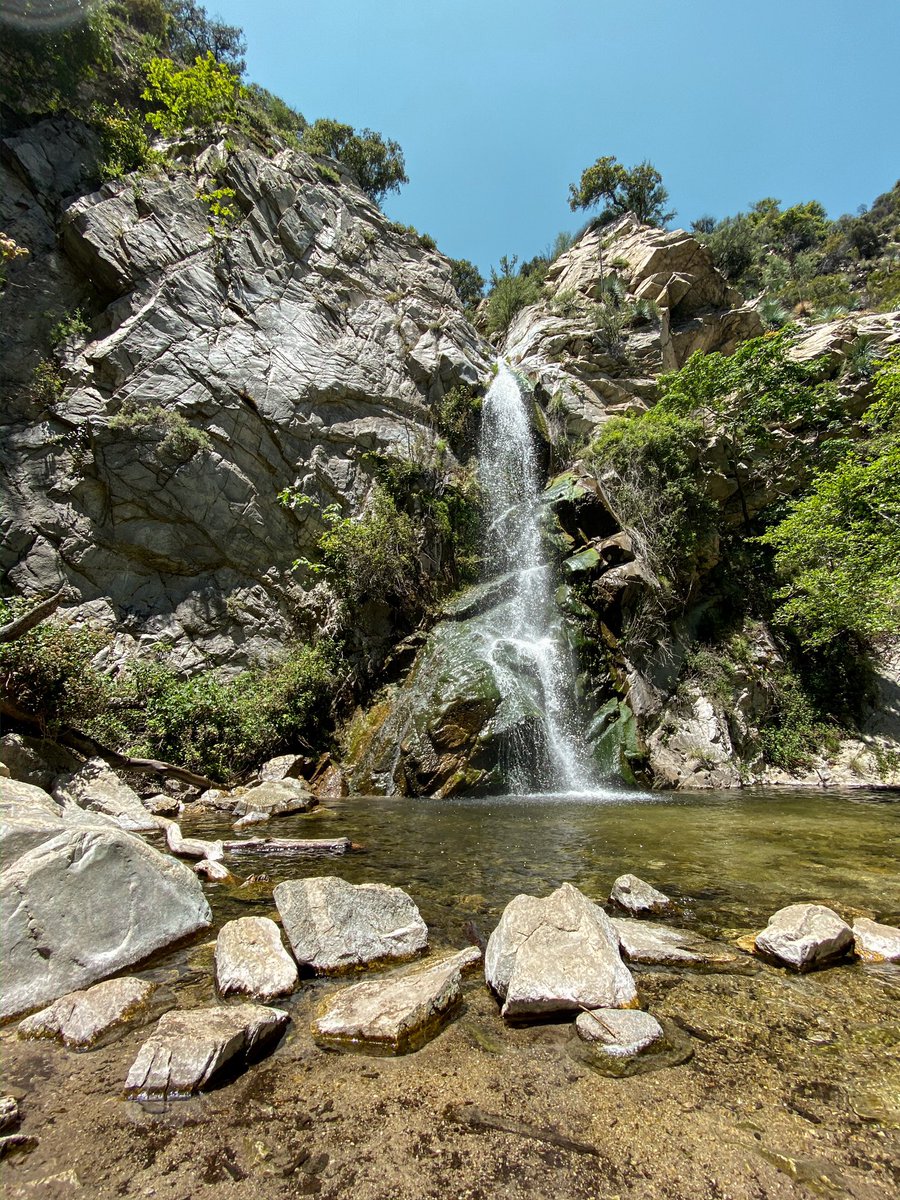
{"x": 523, "y": 638}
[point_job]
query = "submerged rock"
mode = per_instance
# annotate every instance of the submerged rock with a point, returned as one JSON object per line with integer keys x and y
{"x": 397, "y": 1014}
{"x": 618, "y": 1032}
{"x": 333, "y": 925}
{"x": 80, "y": 1018}
{"x": 663, "y": 945}
{"x": 251, "y": 959}
{"x": 636, "y": 896}
{"x": 802, "y": 936}
{"x": 97, "y": 788}
{"x": 188, "y": 1048}
{"x": 557, "y": 954}
{"x": 874, "y": 942}
{"x": 276, "y": 797}
{"x": 84, "y": 905}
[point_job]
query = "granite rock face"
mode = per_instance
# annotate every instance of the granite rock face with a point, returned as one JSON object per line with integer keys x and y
{"x": 80, "y": 1018}
{"x": 556, "y": 954}
{"x": 188, "y": 1048}
{"x": 219, "y": 370}
{"x": 251, "y": 960}
{"x": 803, "y": 936}
{"x": 333, "y": 925}
{"x": 85, "y": 904}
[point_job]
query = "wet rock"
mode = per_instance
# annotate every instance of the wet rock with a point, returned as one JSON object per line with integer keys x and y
{"x": 636, "y": 896}
{"x": 250, "y": 959}
{"x": 802, "y": 936}
{"x": 397, "y": 1014}
{"x": 97, "y": 788}
{"x": 276, "y": 797}
{"x": 555, "y": 955}
{"x": 83, "y": 906}
{"x": 333, "y": 925}
{"x": 619, "y": 1032}
{"x": 251, "y": 818}
{"x": 192, "y": 847}
{"x": 874, "y": 942}
{"x": 663, "y": 945}
{"x": 9, "y": 1113}
{"x": 213, "y": 870}
{"x": 188, "y": 1047}
{"x": 79, "y": 1019}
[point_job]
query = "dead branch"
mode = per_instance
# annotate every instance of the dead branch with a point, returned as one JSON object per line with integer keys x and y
{"x": 22, "y": 625}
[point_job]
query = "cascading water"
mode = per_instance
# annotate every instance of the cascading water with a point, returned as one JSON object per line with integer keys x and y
{"x": 523, "y": 639}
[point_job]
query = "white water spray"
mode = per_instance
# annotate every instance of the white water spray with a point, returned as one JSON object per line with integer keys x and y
{"x": 525, "y": 645}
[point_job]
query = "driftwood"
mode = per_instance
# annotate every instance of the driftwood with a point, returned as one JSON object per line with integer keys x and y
{"x": 25, "y": 623}
{"x": 84, "y": 744}
{"x": 290, "y": 845}
{"x": 471, "y": 1114}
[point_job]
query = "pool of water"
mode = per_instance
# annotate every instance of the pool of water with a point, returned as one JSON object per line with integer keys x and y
{"x": 730, "y": 859}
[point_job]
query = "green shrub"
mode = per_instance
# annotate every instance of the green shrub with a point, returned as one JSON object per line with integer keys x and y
{"x": 174, "y": 436}
{"x": 123, "y": 135}
{"x": 50, "y": 672}
{"x": 222, "y": 213}
{"x": 43, "y": 69}
{"x": 509, "y": 294}
{"x": 376, "y": 163}
{"x": 46, "y": 386}
{"x": 468, "y": 282}
{"x": 201, "y": 96}
{"x": 72, "y": 325}
{"x": 457, "y": 417}
{"x": 794, "y": 732}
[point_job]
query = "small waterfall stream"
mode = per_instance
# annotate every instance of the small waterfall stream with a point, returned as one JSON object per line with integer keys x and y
{"x": 523, "y": 639}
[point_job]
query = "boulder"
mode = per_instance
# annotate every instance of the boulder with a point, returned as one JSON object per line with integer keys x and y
{"x": 618, "y": 1032}
{"x": 397, "y": 1014}
{"x": 285, "y": 766}
{"x": 97, "y": 788}
{"x": 636, "y": 896}
{"x": 192, "y": 847}
{"x": 80, "y": 1018}
{"x": 803, "y": 936}
{"x": 213, "y": 870}
{"x": 37, "y": 761}
{"x": 276, "y": 797}
{"x": 188, "y": 1048}
{"x": 18, "y": 835}
{"x": 86, "y": 904}
{"x": 161, "y": 805}
{"x": 333, "y": 925}
{"x": 25, "y": 800}
{"x": 874, "y": 942}
{"x": 250, "y": 959}
{"x": 662, "y": 945}
{"x": 557, "y": 954}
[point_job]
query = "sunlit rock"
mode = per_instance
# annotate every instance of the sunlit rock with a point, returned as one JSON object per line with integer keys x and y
{"x": 251, "y": 960}
{"x": 802, "y": 936}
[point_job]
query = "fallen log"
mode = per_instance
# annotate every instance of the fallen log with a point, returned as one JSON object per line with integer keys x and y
{"x": 290, "y": 845}
{"x": 24, "y": 624}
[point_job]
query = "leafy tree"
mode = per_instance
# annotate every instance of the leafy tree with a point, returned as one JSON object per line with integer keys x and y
{"x": 193, "y": 34}
{"x": 468, "y": 281}
{"x": 377, "y": 164}
{"x": 639, "y": 191}
{"x": 203, "y": 95}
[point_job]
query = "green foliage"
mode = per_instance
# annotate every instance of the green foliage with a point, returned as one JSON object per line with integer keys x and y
{"x": 50, "y": 673}
{"x": 639, "y": 191}
{"x": 457, "y": 417}
{"x": 795, "y": 731}
{"x": 223, "y": 214}
{"x": 376, "y": 163}
{"x": 468, "y": 282}
{"x": 649, "y": 468}
{"x": 173, "y": 435}
{"x": 193, "y": 34}
{"x": 46, "y": 385}
{"x": 260, "y": 111}
{"x": 72, "y": 325}
{"x": 123, "y": 134}
{"x": 223, "y": 729}
{"x": 43, "y": 69}
{"x": 201, "y": 96}
{"x": 510, "y": 293}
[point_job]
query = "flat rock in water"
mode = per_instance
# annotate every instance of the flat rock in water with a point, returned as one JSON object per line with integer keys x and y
{"x": 555, "y": 955}
{"x": 250, "y": 959}
{"x": 80, "y": 1018}
{"x": 802, "y": 936}
{"x": 333, "y": 925}
{"x": 276, "y": 797}
{"x": 874, "y": 942}
{"x": 636, "y": 896}
{"x": 97, "y": 788}
{"x": 83, "y": 906}
{"x": 619, "y": 1032}
{"x": 189, "y": 1046}
{"x": 650, "y": 942}
{"x": 397, "y": 1014}
{"x": 188, "y": 847}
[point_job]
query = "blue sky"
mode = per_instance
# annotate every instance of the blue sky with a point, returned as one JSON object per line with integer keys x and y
{"x": 499, "y": 106}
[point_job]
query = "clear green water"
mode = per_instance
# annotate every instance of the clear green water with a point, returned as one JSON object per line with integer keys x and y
{"x": 730, "y": 859}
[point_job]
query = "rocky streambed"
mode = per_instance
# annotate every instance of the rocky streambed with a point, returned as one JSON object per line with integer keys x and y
{"x": 760, "y": 1080}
